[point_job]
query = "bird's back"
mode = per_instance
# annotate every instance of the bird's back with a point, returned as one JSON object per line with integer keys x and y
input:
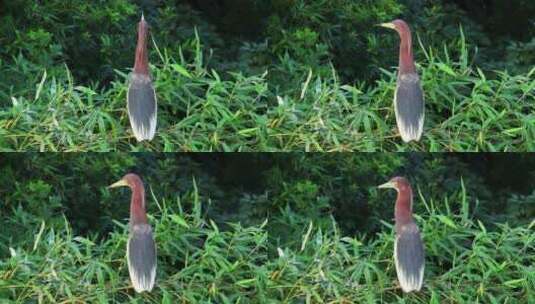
{"x": 409, "y": 258}
{"x": 141, "y": 256}
{"x": 409, "y": 106}
{"x": 142, "y": 108}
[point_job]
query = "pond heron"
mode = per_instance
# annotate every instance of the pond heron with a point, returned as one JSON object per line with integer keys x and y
{"x": 408, "y": 247}
{"x": 408, "y": 97}
{"x": 141, "y": 248}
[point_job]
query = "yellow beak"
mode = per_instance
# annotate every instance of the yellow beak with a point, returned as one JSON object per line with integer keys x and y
{"x": 389, "y": 25}
{"x": 121, "y": 183}
{"x": 387, "y": 185}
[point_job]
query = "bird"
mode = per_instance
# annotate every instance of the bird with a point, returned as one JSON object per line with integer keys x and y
{"x": 409, "y": 104}
{"x": 409, "y": 253}
{"x": 140, "y": 248}
{"x": 141, "y": 97}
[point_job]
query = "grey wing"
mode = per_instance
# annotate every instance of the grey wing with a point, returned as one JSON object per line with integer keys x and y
{"x": 142, "y": 108}
{"x": 141, "y": 255}
{"x": 410, "y": 258}
{"x": 410, "y": 107}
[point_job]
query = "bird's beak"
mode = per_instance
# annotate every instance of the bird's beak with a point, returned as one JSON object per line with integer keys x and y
{"x": 142, "y": 22}
{"x": 389, "y": 25}
{"x": 387, "y": 185}
{"x": 121, "y": 183}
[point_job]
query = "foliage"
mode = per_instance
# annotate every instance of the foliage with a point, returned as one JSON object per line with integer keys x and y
{"x": 265, "y": 227}
{"x": 93, "y": 39}
{"x": 290, "y": 189}
{"x": 315, "y": 34}
{"x": 466, "y": 261}
{"x": 466, "y": 111}
{"x": 313, "y": 79}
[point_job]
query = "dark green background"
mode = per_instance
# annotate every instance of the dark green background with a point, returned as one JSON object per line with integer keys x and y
{"x": 93, "y": 37}
{"x": 290, "y": 189}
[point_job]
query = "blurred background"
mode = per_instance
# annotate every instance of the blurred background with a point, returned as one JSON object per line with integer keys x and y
{"x": 266, "y": 228}
{"x": 289, "y": 190}
{"x": 250, "y": 75}
{"x": 286, "y": 37}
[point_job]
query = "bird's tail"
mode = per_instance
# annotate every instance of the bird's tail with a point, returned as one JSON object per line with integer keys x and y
{"x": 142, "y": 107}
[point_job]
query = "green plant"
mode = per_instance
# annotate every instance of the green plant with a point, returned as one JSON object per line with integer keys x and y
{"x": 198, "y": 261}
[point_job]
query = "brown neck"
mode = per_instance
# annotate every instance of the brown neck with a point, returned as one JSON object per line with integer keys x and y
{"x": 406, "y": 61}
{"x": 137, "y": 206}
{"x": 141, "y": 64}
{"x": 403, "y": 212}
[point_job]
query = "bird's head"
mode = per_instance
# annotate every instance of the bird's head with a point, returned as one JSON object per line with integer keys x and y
{"x": 142, "y": 26}
{"x": 399, "y": 183}
{"x": 398, "y": 25}
{"x": 130, "y": 180}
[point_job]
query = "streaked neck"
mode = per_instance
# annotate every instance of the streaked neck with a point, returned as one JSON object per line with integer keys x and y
{"x": 141, "y": 64}
{"x": 403, "y": 209}
{"x": 137, "y": 206}
{"x": 406, "y": 60}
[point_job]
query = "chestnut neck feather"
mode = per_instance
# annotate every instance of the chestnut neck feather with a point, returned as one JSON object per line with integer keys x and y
{"x": 406, "y": 61}
{"x": 141, "y": 64}
{"x": 403, "y": 212}
{"x": 137, "y": 204}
